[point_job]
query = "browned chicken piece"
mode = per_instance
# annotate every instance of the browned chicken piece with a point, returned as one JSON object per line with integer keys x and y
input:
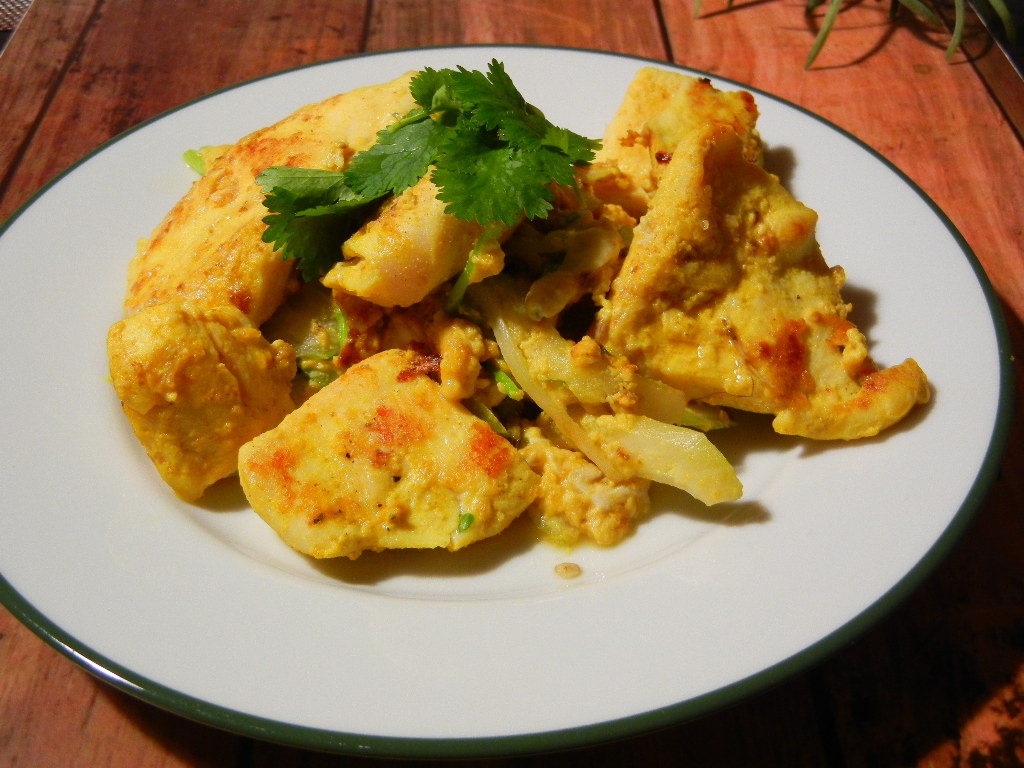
{"x": 196, "y": 383}
{"x": 380, "y": 459}
{"x": 404, "y": 252}
{"x": 209, "y": 248}
{"x": 724, "y": 294}
{"x": 662, "y": 108}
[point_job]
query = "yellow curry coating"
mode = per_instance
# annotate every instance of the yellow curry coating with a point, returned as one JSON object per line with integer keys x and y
{"x": 195, "y": 384}
{"x": 577, "y": 502}
{"x": 206, "y": 263}
{"x": 209, "y": 248}
{"x": 404, "y": 252}
{"x": 381, "y": 459}
{"x": 662, "y": 108}
{"x": 724, "y": 294}
{"x": 705, "y": 275}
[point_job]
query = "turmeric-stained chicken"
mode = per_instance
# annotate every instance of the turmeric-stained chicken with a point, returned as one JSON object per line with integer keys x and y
{"x": 724, "y": 294}
{"x": 404, "y": 252}
{"x": 189, "y": 398}
{"x": 196, "y": 383}
{"x": 209, "y": 248}
{"x": 379, "y": 459}
{"x": 661, "y": 109}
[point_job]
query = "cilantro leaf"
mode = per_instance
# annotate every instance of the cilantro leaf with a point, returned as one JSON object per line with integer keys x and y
{"x": 306, "y": 184}
{"x": 429, "y": 89}
{"x": 493, "y": 184}
{"x": 492, "y": 155}
{"x": 310, "y": 213}
{"x": 490, "y": 100}
{"x": 398, "y": 160}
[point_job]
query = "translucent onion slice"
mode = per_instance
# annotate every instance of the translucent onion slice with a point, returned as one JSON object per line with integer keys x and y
{"x": 505, "y": 333}
{"x": 622, "y": 446}
{"x": 677, "y": 456}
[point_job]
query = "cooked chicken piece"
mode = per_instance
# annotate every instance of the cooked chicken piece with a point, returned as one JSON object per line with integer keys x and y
{"x": 613, "y": 187}
{"x": 724, "y": 294}
{"x": 196, "y": 383}
{"x": 404, "y": 252}
{"x": 379, "y": 459}
{"x": 209, "y": 248}
{"x": 660, "y": 110}
{"x": 577, "y": 502}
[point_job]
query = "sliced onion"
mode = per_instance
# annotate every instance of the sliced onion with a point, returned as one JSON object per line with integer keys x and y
{"x": 507, "y": 337}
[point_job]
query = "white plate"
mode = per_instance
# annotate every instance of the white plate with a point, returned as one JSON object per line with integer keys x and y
{"x": 203, "y": 611}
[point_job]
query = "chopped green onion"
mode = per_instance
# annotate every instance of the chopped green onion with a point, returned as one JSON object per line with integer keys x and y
{"x": 507, "y": 385}
{"x": 465, "y": 278}
{"x": 486, "y": 415}
{"x": 195, "y": 160}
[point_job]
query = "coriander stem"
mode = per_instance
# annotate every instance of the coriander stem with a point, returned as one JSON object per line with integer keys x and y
{"x": 465, "y": 279}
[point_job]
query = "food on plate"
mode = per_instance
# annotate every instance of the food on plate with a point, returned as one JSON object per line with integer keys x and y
{"x": 660, "y": 110}
{"x": 196, "y": 383}
{"x": 407, "y": 250}
{"x": 381, "y": 459}
{"x": 209, "y": 248}
{"x": 724, "y": 294}
{"x": 412, "y": 314}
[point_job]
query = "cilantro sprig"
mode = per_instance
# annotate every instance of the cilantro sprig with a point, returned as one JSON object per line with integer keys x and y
{"x": 492, "y": 155}
{"x": 310, "y": 213}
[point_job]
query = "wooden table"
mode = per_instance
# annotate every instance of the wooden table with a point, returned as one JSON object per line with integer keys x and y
{"x": 939, "y": 682}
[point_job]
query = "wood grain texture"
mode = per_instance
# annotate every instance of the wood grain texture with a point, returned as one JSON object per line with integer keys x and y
{"x": 30, "y": 72}
{"x": 622, "y": 26}
{"x": 121, "y": 73}
{"x": 938, "y": 683}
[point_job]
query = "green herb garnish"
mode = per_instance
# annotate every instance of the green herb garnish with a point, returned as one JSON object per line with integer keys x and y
{"x": 195, "y": 160}
{"x": 492, "y": 156}
{"x": 311, "y": 213}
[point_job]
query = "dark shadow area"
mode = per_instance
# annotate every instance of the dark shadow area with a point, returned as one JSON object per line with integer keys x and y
{"x": 813, "y": 22}
{"x": 186, "y": 741}
{"x": 669, "y": 501}
{"x": 863, "y": 314}
{"x": 725, "y": 8}
{"x": 975, "y": 43}
{"x": 224, "y": 496}
{"x": 782, "y": 162}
